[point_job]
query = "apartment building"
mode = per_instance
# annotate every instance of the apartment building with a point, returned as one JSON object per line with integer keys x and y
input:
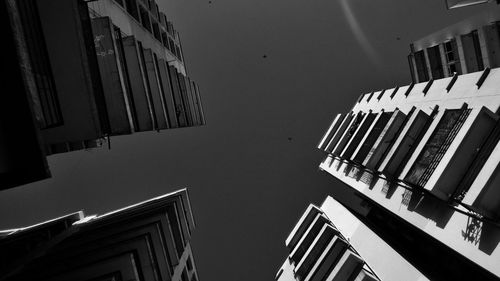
{"x": 331, "y": 243}
{"x": 468, "y": 46}
{"x": 424, "y": 157}
{"x": 145, "y": 241}
{"x": 422, "y": 161}
{"x": 82, "y": 72}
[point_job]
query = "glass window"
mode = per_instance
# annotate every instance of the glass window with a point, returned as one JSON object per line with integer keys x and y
{"x": 452, "y": 57}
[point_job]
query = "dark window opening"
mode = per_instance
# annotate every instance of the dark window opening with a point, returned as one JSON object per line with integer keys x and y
{"x": 132, "y": 9}
{"x": 172, "y": 45}
{"x": 164, "y": 40}
{"x": 421, "y": 66}
{"x": 472, "y": 52}
{"x": 435, "y": 62}
{"x": 145, "y": 20}
{"x": 156, "y": 31}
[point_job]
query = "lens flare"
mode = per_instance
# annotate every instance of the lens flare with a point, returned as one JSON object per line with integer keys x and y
{"x": 359, "y": 34}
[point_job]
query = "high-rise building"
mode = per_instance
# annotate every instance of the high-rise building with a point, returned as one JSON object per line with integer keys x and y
{"x": 330, "y": 243}
{"x": 468, "y": 46}
{"x": 82, "y": 71}
{"x": 146, "y": 241}
{"x": 423, "y": 161}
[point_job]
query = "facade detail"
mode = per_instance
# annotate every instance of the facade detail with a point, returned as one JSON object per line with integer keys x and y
{"x": 330, "y": 243}
{"x": 425, "y": 158}
{"x": 84, "y": 71}
{"x": 468, "y": 46}
{"x": 146, "y": 241}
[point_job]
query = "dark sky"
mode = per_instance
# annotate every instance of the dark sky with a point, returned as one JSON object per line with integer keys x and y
{"x": 248, "y": 182}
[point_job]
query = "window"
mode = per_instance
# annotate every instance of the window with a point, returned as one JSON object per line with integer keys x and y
{"x": 472, "y": 52}
{"x": 451, "y": 57}
{"x": 164, "y": 38}
{"x": 435, "y": 62}
{"x": 156, "y": 31}
{"x": 172, "y": 45}
{"x": 436, "y": 146}
{"x": 146, "y": 22}
{"x": 132, "y": 9}
{"x": 421, "y": 66}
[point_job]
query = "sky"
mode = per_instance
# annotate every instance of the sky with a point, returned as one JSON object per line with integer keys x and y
{"x": 253, "y": 169}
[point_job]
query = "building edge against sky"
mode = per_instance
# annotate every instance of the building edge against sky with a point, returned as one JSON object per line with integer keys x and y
{"x": 119, "y": 69}
{"x": 145, "y": 241}
{"x": 424, "y": 159}
{"x": 331, "y": 243}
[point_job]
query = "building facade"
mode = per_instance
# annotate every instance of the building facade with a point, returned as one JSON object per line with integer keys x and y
{"x": 468, "y": 46}
{"x": 422, "y": 161}
{"x": 84, "y": 71}
{"x": 146, "y": 241}
{"x": 331, "y": 243}
{"x": 425, "y": 160}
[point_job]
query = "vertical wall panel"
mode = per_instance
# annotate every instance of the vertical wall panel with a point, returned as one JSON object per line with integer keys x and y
{"x": 407, "y": 144}
{"x": 386, "y": 139}
{"x": 179, "y": 107}
{"x": 196, "y": 103}
{"x": 200, "y": 103}
{"x": 156, "y": 99}
{"x": 137, "y": 82}
{"x": 192, "y": 107}
{"x": 492, "y": 38}
{"x": 331, "y": 131}
{"x": 111, "y": 76}
{"x": 362, "y": 129}
{"x": 76, "y": 73}
{"x": 185, "y": 98}
{"x": 167, "y": 93}
{"x": 371, "y": 137}
{"x": 339, "y": 133}
{"x": 22, "y": 158}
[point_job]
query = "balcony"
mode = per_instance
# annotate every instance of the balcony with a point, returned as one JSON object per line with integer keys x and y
{"x": 302, "y": 225}
{"x": 385, "y": 140}
{"x": 366, "y": 144}
{"x": 316, "y": 248}
{"x": 308, "y": 237}
{"x": 404, "y": 144}
{"x": 347, "y": 134}
{"x": 358, "y": 135}
{"x": 327, "y": 260}
{"x": 331, "y": 131}
{"x": 340, "y": 131}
